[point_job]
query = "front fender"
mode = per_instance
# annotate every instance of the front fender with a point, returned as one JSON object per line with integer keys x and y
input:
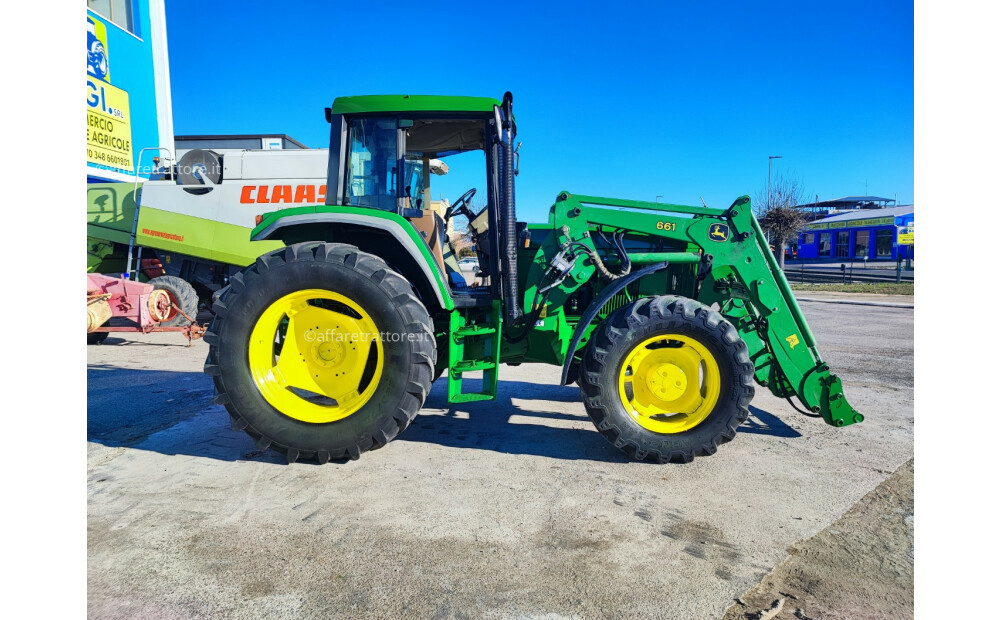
{"x": 595, "y": 308}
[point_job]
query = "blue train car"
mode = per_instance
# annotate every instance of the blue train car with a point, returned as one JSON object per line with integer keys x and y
{"x": 873, "y": 234}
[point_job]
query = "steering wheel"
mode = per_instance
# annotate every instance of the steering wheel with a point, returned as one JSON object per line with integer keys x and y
{"x": 461, "y": 206}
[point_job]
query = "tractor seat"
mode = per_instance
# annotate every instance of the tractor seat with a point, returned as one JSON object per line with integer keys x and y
{"x": 431, "y": 228}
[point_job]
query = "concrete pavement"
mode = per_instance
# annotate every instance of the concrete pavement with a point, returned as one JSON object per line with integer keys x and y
{"x": 508, "y": 509}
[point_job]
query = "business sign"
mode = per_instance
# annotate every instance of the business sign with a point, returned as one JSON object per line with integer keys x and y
{"x": 97, "y": 50}
{"x": 109, "y": 127}
{"x": 109, "y": 130}
{"x": 874, "y": 221}
{"x": 905, "y": 236}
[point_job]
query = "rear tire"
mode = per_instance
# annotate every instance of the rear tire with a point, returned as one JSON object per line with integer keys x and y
{"x": 395, "y": 392}
{"x": 622, "y": 334}
{"x": 96, "y": 337}
{"x": 181, "y": 294}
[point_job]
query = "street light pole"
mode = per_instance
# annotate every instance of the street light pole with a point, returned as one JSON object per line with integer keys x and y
{"x": 769, "y": 158}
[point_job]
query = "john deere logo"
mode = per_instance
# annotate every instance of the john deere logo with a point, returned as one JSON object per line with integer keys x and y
{"x": 718, "y": 232}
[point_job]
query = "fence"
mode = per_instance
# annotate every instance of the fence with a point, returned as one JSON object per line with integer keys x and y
{"x": 844, "y": 272}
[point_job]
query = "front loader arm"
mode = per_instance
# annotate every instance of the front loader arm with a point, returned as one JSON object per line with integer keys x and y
{"x": 743, "y": 277}
{"x": 749, "y": 273}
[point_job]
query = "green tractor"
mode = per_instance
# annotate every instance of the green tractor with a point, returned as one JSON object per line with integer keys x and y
{"x": 665, "y": 315}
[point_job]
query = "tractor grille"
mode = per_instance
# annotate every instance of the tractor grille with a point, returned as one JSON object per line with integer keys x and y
{"x": 619, "y": 300}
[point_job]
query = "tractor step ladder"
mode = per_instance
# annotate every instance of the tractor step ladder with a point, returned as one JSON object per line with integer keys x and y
{"x": 483, "y": 337}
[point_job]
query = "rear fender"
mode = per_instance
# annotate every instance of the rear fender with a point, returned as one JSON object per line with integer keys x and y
{"x": 381, "y": 233}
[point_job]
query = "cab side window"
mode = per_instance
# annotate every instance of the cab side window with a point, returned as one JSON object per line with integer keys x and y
{"x": 371, "y": 165}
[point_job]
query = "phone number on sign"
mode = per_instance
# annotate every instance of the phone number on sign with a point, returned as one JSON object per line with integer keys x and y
{"x": 109, "y": 158}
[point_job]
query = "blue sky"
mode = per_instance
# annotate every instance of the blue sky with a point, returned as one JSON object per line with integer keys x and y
{"x": 631, "y": 100}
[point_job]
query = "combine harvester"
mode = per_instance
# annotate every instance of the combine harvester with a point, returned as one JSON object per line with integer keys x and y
{"x": 185, "y": 232}
{"x": 665, "y": 315}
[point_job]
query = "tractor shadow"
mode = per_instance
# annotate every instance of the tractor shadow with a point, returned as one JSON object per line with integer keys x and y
{"x": 111, "y": 341}
{"x": 531, "y": 418}
{"x": 761, "y": 422}
{"x": 125, "y": 406}
{"x": 526, "y": 418}
{"x": 163, "y": 411}
{"x": 172, "y": 413}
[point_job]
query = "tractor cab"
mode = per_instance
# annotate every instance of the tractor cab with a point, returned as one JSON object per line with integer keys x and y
{"x": 439, "y": 163}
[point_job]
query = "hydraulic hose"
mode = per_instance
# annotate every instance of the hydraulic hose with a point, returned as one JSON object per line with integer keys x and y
{"x": 618, "y": 245}
{"x": 599, "y": 264}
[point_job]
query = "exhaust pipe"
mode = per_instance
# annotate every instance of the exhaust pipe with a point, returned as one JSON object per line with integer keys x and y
{"x": 512, "y": 302}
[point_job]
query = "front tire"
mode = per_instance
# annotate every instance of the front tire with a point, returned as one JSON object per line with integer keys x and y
{"x": 320, "y": 351}
{"x": 667, "y": 379}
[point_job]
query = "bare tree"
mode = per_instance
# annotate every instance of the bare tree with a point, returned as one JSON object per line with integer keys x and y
{"x": 779, "y": 214}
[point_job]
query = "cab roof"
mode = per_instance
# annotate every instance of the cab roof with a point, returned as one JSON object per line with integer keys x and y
{"x": 366, "y": 104}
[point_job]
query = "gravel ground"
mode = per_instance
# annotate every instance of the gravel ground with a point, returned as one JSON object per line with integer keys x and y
{"x": 861, "y": 566}
{"x": 509, "y": 509}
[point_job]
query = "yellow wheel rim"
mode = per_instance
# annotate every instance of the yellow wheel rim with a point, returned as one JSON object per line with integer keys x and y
{"x": 316, "y": 356}
{"x": 669, "y": 383}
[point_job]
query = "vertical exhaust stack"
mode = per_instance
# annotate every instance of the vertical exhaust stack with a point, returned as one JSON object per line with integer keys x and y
{"x": 512, "y": 302}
